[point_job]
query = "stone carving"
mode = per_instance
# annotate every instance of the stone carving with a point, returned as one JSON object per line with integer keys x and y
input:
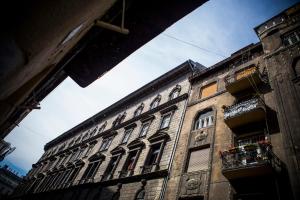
{"x": 200, "y": 136}
{"x": 192, "y": 184}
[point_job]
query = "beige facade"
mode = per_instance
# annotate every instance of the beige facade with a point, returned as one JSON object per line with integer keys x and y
{"x": 124, "y": 149}
{"x": 229, "y": 131}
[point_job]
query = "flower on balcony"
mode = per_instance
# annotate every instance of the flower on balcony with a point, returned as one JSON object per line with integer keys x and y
{"x": 264, "y": 143}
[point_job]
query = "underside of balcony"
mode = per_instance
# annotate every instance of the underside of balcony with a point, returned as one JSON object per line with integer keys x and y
{"x": 253, "y": 170}
{"x": 238, "y": 82}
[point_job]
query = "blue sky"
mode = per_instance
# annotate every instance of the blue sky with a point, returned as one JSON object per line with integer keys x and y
{"x": 221, "y": 27}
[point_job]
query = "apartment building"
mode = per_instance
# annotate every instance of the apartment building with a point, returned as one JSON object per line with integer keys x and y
{"x": 123, "y": 152}
{"x": 240, "y": 136}
{"x": 229, "y": 131}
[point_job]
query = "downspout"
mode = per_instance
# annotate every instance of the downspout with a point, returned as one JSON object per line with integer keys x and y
{"x": 164, "y": 186}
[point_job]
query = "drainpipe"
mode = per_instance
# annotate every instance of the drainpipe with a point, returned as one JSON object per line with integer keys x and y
{"x": 164, "y": 186}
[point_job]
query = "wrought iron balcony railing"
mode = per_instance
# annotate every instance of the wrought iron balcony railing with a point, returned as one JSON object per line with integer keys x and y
{"x": 248, "y": 111}
{"x": 249, "y": 160}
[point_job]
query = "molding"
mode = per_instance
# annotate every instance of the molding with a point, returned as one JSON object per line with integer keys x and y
{"x": 169, "y": 109}
{"x": 188, "y": 67}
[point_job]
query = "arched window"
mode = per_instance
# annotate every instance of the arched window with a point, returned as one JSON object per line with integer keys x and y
{"x": 297, "y": 67}
{"x": 204, "y": 119}
{"x": 119, "y": 119}
{"x": 140, "y": 195}
{"x": 139, "y": 110}
{"x": 155, "y": 102}
{"x": 175, "y": 92}
{"x": 93, "y": 131}
{"x": 101, "y": 129}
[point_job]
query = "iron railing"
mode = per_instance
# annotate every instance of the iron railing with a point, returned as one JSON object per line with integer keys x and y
{"x": 250, "y": 155}
{"x": 242, "y": 107}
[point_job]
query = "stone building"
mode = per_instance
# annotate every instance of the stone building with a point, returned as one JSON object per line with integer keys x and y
{"x": 9, "y": 180}
{"x": 231, "y": 132}
{"x": 123, "y": 152}
{"x": 240, "y": 136}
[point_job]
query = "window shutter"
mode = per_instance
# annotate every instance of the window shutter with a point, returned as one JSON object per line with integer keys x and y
{"x": 245, "y": 72}
{"x": 198, "y": 160}
{"x": 208, "y": 90}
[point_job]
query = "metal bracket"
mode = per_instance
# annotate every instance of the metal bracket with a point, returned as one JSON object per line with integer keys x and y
{"x": 112, "y": 27}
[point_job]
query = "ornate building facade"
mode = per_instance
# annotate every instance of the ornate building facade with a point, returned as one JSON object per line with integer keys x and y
{"x": 126, "y": 150}
{"x": 229, "y": 131}
{"x": 240, "y": 138}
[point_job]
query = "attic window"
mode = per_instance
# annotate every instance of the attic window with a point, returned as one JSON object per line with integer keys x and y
{"x": 72, "y": 33}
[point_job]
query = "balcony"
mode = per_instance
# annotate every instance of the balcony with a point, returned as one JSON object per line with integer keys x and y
{"x": 243, "y": 80}
{"x": 245, "y": 112}
{"x": 251, "y": 160}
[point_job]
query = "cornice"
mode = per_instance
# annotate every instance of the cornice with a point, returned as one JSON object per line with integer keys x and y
{"x": 188, "y": 67}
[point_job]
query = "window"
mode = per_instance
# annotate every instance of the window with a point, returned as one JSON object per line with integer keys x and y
{"x": 78, "y": 140}
{"x": 129, "y": 164}
{"x": 296, "y": 67}
{"x": 155, "y": 102}
{"x": 119, "y": 119}
{"x": 291, "y": 37}
{"x": 198, "y": 160}
{"x": 101, "y": 129}
{"x": 144, "y": 129}
{"x": 93, "y": 132}
{"x": 139, "y": 110}
{"x": 74, "y": 155}
{"x": 175, "y": 92}
{"x": 72, "y": 142}
{"x": 140, "y": 195}
{"x": 86, "y": 135}
{"x": 165, "y": 122}
{"x": 153, "y": 156}
{"x": 106, "y": 143}
{"x": 208, "y": 90}
{"x": 91, "y": 169}
{"x": 91, "y": 146}
{"x": 73, "y": 174}
{"x": 126, "y": 136}
{"x": 111, "y": 168}
{"x": 204, "y": 120}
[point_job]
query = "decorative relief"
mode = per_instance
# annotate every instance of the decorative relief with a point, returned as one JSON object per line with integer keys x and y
{"x": 193, "y": 184}
{"x": 200, "y": 137}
